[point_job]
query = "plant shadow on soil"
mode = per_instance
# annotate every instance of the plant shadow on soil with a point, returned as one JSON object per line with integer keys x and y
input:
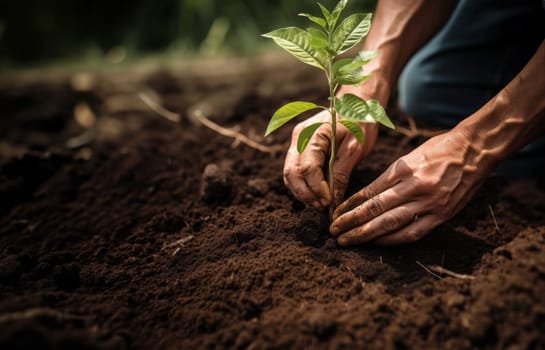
{"x": 147, "y": 234}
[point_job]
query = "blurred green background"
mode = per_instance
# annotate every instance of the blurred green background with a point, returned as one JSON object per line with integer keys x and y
{"x": 37, "y": 32}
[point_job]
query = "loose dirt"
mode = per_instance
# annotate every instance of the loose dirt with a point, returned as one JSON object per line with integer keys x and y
{"x": 120, "y": 229}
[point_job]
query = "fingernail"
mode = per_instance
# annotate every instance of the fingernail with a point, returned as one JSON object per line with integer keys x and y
{"x": 333, "y": 230}
{"x": 316, "y": 205}
{"x": 342, "y": 241}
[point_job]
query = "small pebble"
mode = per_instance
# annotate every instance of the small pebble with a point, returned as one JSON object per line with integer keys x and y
{"x": 216, "y": 184}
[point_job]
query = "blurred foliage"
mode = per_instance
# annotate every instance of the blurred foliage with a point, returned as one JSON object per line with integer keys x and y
{"x": 34, "y": 31}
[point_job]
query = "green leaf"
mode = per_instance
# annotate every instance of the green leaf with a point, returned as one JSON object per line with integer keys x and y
{"x": 297, "y": 42}
{"x": 365, "y": 56}
{"x": 326, "y": 13}
{"x": 379, "y": 114}
{"x": 287, "y": 112}
{"x": 318, "y": 39}
{"x": 346, "y": 65}
{"x": 319, "y": 21}
{"x": 356, "y": 109}
{"x": 353, "y": 108}
{"x": 351, "y": 31}
{"x": 337, "y": 13}
{"x": 305, "y": 135}
{"x": 339, "y": 64}
{"x": 355, "y": 77}
{"x": 347, "y": 71}
{"x": 355, "y": 129}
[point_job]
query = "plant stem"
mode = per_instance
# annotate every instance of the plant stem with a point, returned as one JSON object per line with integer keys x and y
{"x": 333, "y": 142}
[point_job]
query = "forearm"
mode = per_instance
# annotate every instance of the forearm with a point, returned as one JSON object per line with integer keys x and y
{"x": 400, "y": 28}
{"x": 512, "y": 119}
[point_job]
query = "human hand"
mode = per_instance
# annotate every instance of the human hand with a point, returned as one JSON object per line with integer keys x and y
{"x": 415, "y": 194}
{"x": 304, "y": 173}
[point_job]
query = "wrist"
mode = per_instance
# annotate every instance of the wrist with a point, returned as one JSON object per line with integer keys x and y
{"x": 494, "y": 131}
{"x": 513, "y": 117}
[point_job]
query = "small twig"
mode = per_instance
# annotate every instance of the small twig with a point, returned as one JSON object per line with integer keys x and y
{"x": 178, "y": 244}
{"x": 37, "y": 313}
{"x": 157, "y": 108}
{"x": 413, "y": 131}
{"x": 428, "y": 270}
{"x": 181, "y": 241}
{"x": 494, "y": 218}
{"x": 200, "y": 117}
{"x": 442, "y": 270}
{"x": 235, "y": 134}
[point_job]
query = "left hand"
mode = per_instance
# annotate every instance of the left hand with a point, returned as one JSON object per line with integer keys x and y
{"x": 415, "y": 194}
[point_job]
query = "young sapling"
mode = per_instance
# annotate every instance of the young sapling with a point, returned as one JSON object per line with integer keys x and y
{"x": 320, "y": 47}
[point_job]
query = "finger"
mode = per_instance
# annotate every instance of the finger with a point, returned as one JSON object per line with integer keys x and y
{"x": 391, "y": 221}
{"x": 373, "y": 208}
{"x": 295, "y": 181}
{"x": 350, "y": 153}
{"x": 412, "y": 232}
{"x": 303, "y": 171}
{"x": 312, "y": 163}
{"x": 394, "y": 174}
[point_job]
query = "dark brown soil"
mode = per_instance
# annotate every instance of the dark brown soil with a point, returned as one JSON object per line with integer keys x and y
{"x": 145, "y": 234}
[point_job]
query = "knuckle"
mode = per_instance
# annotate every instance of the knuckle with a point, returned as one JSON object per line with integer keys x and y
{"x": 353, "y": 147}
{"x": 391, "y": 222}
{"x": 321, "y": 137}
{"x": 420, "y": 185}
{"x": 307, "y": 167}
{"x": 401, "y": 167}
{"x": 413, "y": 235}
{"x": 287, "y": 173}
{"x": 375, "y": 206}
{"x": 368, "y": 192}
{"x": 341, "y": 178}
{"x": 434, "y": 182}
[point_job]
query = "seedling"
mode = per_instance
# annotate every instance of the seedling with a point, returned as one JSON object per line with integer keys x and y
{"x": 319, "y": 46}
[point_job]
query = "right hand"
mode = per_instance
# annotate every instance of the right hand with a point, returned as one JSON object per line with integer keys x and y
{"x": 304, "y": 173}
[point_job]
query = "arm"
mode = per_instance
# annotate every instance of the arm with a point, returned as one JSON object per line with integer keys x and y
{"x": 512, "y": 118}
{"x": 399, "y": 29}
{"x": 431, "y": 184}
